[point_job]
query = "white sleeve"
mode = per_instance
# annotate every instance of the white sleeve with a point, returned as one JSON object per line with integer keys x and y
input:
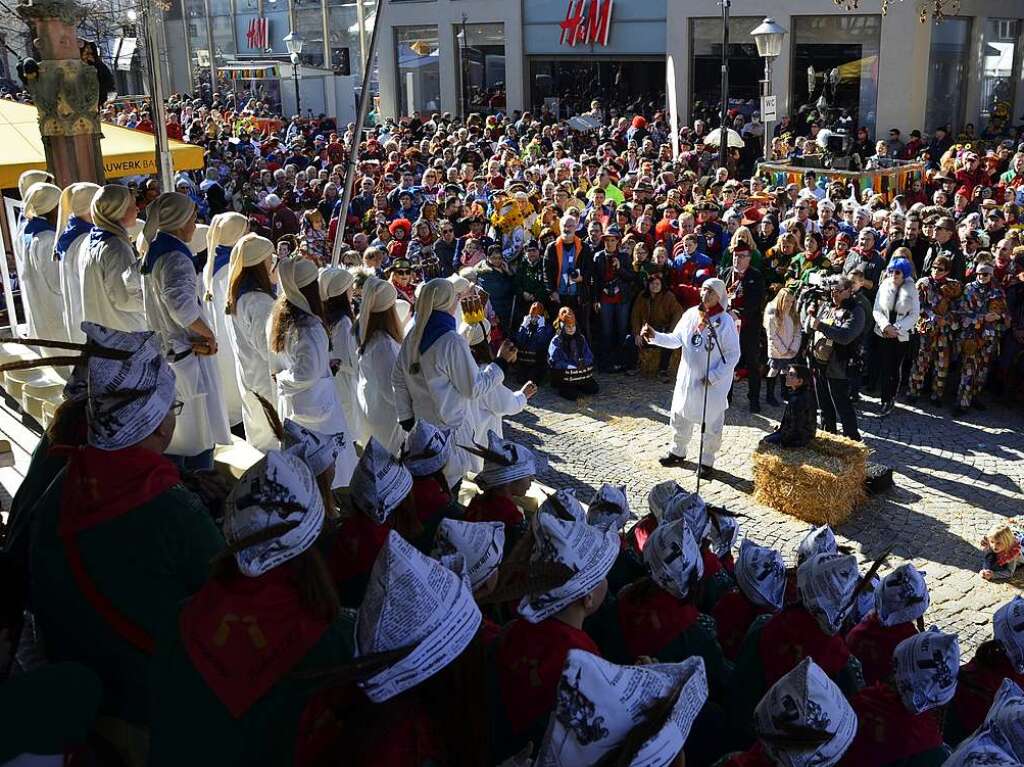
{"x": 307, "y": 350}
{"x": 122, "y": 279}
{"x": 673, "y": 340}
{"x": 176, "y": 277}
{"x": 729, "y": 341}
{"x": 468, "y": 378}
{"x": 403, "y": 400}
{"x": 40, "y": 257}
{"x": 502, "y": 401}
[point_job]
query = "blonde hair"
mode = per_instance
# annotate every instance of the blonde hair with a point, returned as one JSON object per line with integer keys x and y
{"x": 1001, "y": 534}
{"x": 784, "y": 303}
{"x": 743, "y": 234}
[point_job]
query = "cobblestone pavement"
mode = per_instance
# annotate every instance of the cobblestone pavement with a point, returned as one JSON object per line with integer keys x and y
{"x": 954, "y": 479}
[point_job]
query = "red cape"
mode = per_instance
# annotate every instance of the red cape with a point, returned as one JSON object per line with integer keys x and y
{"x": 649, "y": 623}
{"x": 886, "y": 731}
{"x": 873, "y": 644}
{"x": 792, "y": 635}
{"x": 733, "y": 614}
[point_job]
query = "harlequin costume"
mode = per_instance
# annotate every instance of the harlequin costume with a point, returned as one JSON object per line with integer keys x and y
{"x": 980, "y": 339}
{"x": 935, "y": 327}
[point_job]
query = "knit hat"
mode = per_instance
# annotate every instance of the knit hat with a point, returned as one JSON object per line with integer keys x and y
{"x": 505, "y": 462}
{"x": 225, "y": 229}
{"x": 565, "y": 505}
{"x": 826, "y": 583}
{"x": 128, "y": 399}
{"x": 41, "y": 199}
{"x": 598, "y": 704}
{"x": 427, "y": 449}
{"x": 481, "y": 544}
{"x": 719, "y": 287}
{"x": 167, "y": 213}
{"x": 318, "y": 451}
{"x": 610, "y": 509}
{"x": 295, "y": 274}
{"x": 925, "y": 668}
{"x": 1008, "y": 626}
{"x": 1006, "y": 717}
{"x": 723, "y": 531}
{"x": 412, "y": 601}
{"x": 804, "y": 720}
{"x": 902, "y": 596}
{"x": 277, "y": 493}
{"x": 819, "y": 540}
{"x": 587, "y": 551}
{"x": 378, "y": 296}
{"x": 380, "y": 483}
{"x": 761, "y": 575}
{"x": 672, "y": 556}
{"x": 334, "y": 281}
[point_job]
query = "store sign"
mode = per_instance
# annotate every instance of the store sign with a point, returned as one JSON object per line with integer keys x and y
{"x": 768, "y": 109}
{"x": 257, "y": 36}
{"x": 587, "y": 22}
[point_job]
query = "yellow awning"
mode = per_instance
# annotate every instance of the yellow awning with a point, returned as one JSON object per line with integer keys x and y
{"x": 126, "y": 152}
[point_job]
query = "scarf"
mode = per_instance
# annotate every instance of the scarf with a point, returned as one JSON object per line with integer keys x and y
{"x": 1006, "y": 556}
{"x": 244, "y": 634}
{"x": 98, "y": 235}
{"x": 438, "y": 323}
{"x": 76, "y": 228}
{"x": 162, "y": 244}
{"x": 37, "y": 225}
{"x": 222, "y": 257}
{"x": 651, "y": 622}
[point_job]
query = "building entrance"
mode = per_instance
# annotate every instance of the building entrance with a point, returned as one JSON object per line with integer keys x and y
{"x": 630, "y": 85}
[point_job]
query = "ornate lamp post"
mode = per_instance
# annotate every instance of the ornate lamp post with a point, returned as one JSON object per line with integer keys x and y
{"x": 294, "y": 42}
{"x": 768, "y": 36}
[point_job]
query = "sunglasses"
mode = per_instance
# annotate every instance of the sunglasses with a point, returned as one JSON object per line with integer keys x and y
{"x": 403, "y": 272}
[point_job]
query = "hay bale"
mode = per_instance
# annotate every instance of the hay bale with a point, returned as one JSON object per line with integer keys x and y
{"x": 822, "y": 483}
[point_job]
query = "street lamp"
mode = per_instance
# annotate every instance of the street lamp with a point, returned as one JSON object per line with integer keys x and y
{"x": 768, "y": 37}
{"x": 293, "y": 42}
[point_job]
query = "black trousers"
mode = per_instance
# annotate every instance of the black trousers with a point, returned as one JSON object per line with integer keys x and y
{"x": 750, "y": 358}
{"x": 891, "y": 353}
{"x": 577, "y": 389}
{"x": 834, "y": 401}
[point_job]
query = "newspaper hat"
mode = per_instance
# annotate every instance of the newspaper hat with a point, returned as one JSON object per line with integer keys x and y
{"x": 1008, "y": 627}
{"x": 427, "y": 449}
{"x": 1006, "y": 716}
{"x": 380, "y": 483}
{"x": 672, "y": 556}
{"x": 319, "y": 451}
{"x": 278, "y": 492}
{"x": 565, "y": 505}
{"x": 598, "y": 704}
{"x": 986, "y": 747}
{"x": 761, "y": 575}
{"x": 414, "y": 603}
{"x": 925, "y": 668}
{"x": 660, "y": 495}
{"x": 902, "y": 596}
{"x": 504, "y": 462}
{"x": 610, "y": 509}
{"x": 864, "y": 603}
{"x": 826, "y": 583}
{"x": 129, "y": 398}
{"x": 819, "y": 540}
{"x": 691, "y": 507}
{"x": 480, "y": 543}
{"x": 587, "y": 551}
{"x": 723, "y": 532}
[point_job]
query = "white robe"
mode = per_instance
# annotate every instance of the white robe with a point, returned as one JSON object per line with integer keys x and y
{"x": 247, "y": 333}
{"x": 376, "y": 395}
{"x": 344, "y": 353}
{"x": 71, "y": 287}
{"x": 688, "y": 397}
{"x": 306, "y": 391}
{"x": 225, "y": 361}
{"x": 19, "y": 265}
{"x": 172, "y": 305}
{"x": 441, "y": 392}
{"x": 490, "y": 409}
{"x": 112, "y": 286}
{"x": 40, "y": 289}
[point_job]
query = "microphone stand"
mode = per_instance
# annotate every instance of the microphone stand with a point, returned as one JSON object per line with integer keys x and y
{"x": 712, "y": 342}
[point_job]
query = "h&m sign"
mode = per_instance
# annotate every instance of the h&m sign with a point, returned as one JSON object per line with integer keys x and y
{"x": 587, "y": 22}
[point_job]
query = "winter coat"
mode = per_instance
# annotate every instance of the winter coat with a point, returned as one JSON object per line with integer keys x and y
{"x": 898, "y": 307}
{"x": 784, "y": 337}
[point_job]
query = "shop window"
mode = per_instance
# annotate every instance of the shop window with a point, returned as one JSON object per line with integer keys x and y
{"x": 1000, "y": 59}
{"x": 746, "y": 68}
{"x": 835, "y": 69}
{"x": 481, "y": 71}
{"x": 309, "y": 24}
{"x": 568, "y": 86}
{"x": 419, "y": 78}
{"x": 947, "y": 73}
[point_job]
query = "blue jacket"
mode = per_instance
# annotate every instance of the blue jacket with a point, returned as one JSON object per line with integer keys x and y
{"x": 534, "y": 338}
{"x": 566, "y": 352}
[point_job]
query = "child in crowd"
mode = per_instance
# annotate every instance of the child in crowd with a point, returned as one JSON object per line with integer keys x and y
{"x": 1003, "y": 556}
{"x": 799, "y": 419}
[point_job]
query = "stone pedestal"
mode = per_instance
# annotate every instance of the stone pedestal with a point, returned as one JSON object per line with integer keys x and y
{"x": 66, "y": 93}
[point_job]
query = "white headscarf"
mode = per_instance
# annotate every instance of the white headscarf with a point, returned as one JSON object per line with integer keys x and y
{"x": 109, "y": 206}
{"x": 30, "y": 177}
{"x": 334, "y": 281}
{"x": 378, "y": 296}
{"x": 225, "y": 229}
{"x": 41, "y": 199}
{"x": 295, "y": 274}
{"x": 251, "y": 249}
{"x": 75, "y": 200}
{"x": 437, "y": 295}
{"x": 167, "y": 213}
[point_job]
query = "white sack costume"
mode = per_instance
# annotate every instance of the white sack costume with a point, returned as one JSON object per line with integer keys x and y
{"x": 490, "y": 410}
{"x": 40, "y": 278}
{"x": 172, "y": 305}
{"x": 375, "y": 394}
{"x": 25, "y": 182}
{"x": 305, "y": 387}
{"x": 335, "y": 281}
{"x": 73, "y": 228}
{"x": 225, "y": 230}
{"x": 688, "y": 397}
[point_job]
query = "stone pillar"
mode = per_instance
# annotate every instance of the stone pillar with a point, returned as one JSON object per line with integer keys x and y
{"x": 65, "y": 92}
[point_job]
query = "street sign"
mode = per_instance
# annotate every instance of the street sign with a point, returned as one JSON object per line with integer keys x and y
{"x": 768, "y": 109}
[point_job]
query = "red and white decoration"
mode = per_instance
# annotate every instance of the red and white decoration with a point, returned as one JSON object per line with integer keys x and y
{"x": 587, "y": 22}
{"x": 258, "y": 35}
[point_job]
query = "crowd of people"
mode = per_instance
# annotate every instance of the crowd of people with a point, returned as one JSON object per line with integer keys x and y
{"x": 345, "y": 600}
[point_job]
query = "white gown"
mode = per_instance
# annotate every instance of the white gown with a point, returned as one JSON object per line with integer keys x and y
{"x": 490, "y": 409}
{"x": 344, "y": 352}
{"x": 225, "y": 361}
{"x": 19, "y": 264}
{"x": 375, "y": 393}
{"x": 172, "y": 304}
{"x": 40, "y": 289}
{"x": 441, "y": 392}
{"x": 71, "y": 287}
{"x": 112, "y": 285}
{"x": 306, "y": 391}
{"x": 247, "y": 333}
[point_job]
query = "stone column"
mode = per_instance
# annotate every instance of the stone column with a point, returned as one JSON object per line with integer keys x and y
{"x": 66, "y": 93}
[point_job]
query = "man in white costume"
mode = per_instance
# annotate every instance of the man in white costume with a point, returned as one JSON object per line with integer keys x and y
{"x": 40, "y": 283}
{"x": 74, "y": 223}
{"x": 707, "y": 327}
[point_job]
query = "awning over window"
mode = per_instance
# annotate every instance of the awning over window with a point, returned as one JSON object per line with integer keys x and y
{"x": 256, "y": 70}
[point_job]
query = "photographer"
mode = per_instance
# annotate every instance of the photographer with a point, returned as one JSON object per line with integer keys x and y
{"x": 837, "y": 326}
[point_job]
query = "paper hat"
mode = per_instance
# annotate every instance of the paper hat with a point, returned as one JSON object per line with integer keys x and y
{"x": 319, "y": 451}
{"x": 1006, "y": 717}
{"x": 865, "y": 602}
{"x": 380, "y": 483}
{"x": 986, "y": 747}
{"x": 610, "y": 509}
{"x": 723, "y": 532}
{"x": 564, "y": 505}
{"x": 902, "y": 596}
{"x": 412, "y": 602}
{"x": 427, "y": 449}
{"x": 660, "y": 495}
{"x": 819, "y": 540}
{"x": 925, "y": 668}
{"x": 587, "y": 551}
{"x": 1008, "y": 627}
{"x": 278, "y": 492}
{"x": 761, "y": 575}
{"x": 598, "y": 704}
{"x": 804, "y": 720}
{"x": 826, "y": 583}
{"x": 690, "y": 507}
{"x": 504, "y": 462}
{"x": 673, "y": 557}
{"x": 129, "y": 398}
{"x": 480, "y": 543}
